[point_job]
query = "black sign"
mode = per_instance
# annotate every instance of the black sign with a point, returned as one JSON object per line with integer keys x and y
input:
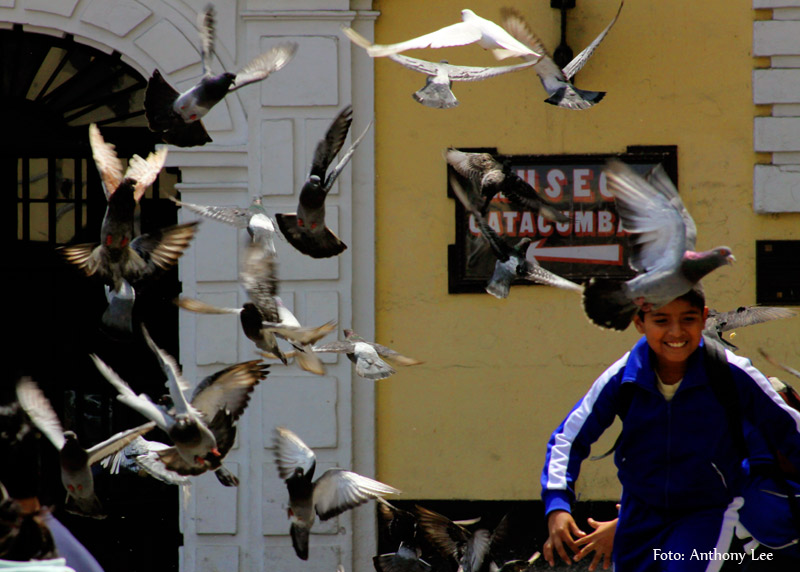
{"x": 590, "y": 244}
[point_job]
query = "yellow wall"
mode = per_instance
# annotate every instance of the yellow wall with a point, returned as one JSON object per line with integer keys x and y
{"x": 473, "y": 421}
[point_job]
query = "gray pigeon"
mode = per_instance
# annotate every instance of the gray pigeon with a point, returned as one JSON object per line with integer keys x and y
{"x": 76, "y": 462}
{"x": 401, "y": 529}
{"x": 334, "y": 492}
{"x": 141, "y": 457}
{"x": 306, "y": 229}
{"x": 555, "y": 81}
{"x": 662, "y": 236}
{"x": 437, "y": 91}
{"x": 254, "y": 218}
{"x": 718, "y": 323}
{"x": 453, "y": 540}
{"x": 121, "y": 258}
{"x": 472, "y": 29}
{"x": 175, "y": 117}
{"x": 370, "y": 358}
{"x": 493, "y": 177}
{"x": 512, "y": 263}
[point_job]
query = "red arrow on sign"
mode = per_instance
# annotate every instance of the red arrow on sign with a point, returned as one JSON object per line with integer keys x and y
{"x": 588, "y": 253}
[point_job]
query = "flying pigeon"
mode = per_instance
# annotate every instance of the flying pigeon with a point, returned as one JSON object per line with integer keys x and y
{"x": 370, "y": 358}
{"x": 662, "y": 236}
{"x": 122, "y": 259}
{"x": 437, "y": 91}
{"x": 718, "y": 323}
{"x": 492, "y": 177}
{"x": 175, "y": 117}
{"x": 306, "y": 229}
{"x": 470, "y": 30}
{"x": 254, "y": 218}
{"x": 334, "y": 492}
{"x": 140, "y": 456}
{"x": 451, "y": 539}
{"x": 555, "y": 81}
{"x": 512, "y": 263}
{"x": 75, "y": 461}
{"x": 200, "y": 435}
{"x": 401, "y": 528}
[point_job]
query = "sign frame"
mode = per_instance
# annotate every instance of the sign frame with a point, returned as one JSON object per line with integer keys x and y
{"x": 462, "y": 279}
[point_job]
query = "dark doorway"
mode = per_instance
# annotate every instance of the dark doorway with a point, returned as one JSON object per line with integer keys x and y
{"x": 51, "y": 89}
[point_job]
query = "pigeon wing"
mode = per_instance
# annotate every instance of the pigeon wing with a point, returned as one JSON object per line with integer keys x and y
{"x": 106, "y": 160}
{"x": 159, "y": 250}
{"x": 145, "y": 171}
{"x": 500, "y": 248}
{"x": 394, "y": 358}
{"x": 336, "y": 171}
{"x": 657, "y": 228}
{"x": 117, "y": 442}
{"x": 140, "y": 403}
{"x": 229, "y": 389}
{"x": 259, "y": 278}
{"x": 329, "y": 147}
{"x": 176, "y": 383}
{"x": 195, "y": 305}
{"x": 745, "y": 316}
{"x": 40, "y": 411}
{"x": 580, "y": 60}
{"x": 338, "y": 490}
{"x": 445, "y": 535}
{"x": 206, "y": 27}
{"x": 292, "y": 453}
{"x": 265, "y": 64}
{"x": 459, "y": 34}
{"x": 236, "y": 216}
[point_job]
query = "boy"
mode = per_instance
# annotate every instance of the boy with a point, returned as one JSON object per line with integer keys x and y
{"x": 676, "y": 458}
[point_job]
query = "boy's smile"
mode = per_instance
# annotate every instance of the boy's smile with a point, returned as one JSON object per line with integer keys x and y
{"x": 673, "y": 332}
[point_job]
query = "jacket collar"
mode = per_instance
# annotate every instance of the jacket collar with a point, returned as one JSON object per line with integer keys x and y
{"x": 639, "y": 367}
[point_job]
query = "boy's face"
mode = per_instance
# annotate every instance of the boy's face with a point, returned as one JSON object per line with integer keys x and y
{"x": 673, "y": 331}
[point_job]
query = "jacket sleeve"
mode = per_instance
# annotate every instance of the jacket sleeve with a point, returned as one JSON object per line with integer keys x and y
{"x": 571, "y": 442}
{"x": 766, "y": 410}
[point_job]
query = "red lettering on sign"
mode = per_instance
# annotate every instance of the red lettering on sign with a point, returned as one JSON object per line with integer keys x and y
{"x": 526, "y": 227}
{"x": 605, "y": 223}
{"x": 544, "y": 226}
{"x": 603, "y": 186}
{"x": 511, "y": 220}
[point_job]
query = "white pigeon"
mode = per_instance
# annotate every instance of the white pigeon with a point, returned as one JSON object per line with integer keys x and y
{"x": 472, "y": 29}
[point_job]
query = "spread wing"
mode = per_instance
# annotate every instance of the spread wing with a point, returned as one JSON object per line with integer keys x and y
{"x": 145, "y": 171}
{"x": 291, "y": 453}
{"x": 580, "y": 60}
{"x": 117, "y": 442}
{"x": 106, "y": 161}
{"x": 459, "y": 34}
{"x": 265, "y": 64}
{"x": 229, "y": 389}
{"x": 656, "y": 224}
{"x": 338, "y": 490}
{"x": 40, "y": 411}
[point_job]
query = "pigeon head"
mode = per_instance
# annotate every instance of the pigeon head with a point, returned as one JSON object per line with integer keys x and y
{"x": 696, "y": 265}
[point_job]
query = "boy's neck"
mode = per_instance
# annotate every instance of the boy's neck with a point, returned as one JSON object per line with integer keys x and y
{"x": 669, "y": 373}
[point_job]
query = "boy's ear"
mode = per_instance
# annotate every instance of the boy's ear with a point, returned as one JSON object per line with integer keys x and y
{"x": 705, "y": 313}
{"x": 637, "y": 321}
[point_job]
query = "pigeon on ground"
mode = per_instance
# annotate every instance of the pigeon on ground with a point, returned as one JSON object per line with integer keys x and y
{"x": 175, "y": 117}
{"x": 437, "y": 91}
{"x": 122, "y": 259}
{"x": 306, "y": 229}
{"x": 370, "y": 358}
{"x": 718, "y": 323}
{"x": 334, "y": 492}
{"x": 472, "y": 29}
{"x": 512, "y": 262}
{"x": 555, "y": 81}
{"x": 662, "y": 236}
{"x": 254, "y": 218}
{"x": 493, "y": 176}
{"x": 76, "y": 462}
{"x": 201, "y": 428}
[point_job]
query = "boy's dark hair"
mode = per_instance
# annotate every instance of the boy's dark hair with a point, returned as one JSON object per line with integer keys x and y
{"x": 696, "y": 298}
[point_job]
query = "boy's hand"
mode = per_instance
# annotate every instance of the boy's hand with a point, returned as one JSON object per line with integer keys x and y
{"x": 563, "y": 531}
{"x": 601, "y": 541}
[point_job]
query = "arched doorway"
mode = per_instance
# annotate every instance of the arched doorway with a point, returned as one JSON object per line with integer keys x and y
{"x": 51, "y": 89}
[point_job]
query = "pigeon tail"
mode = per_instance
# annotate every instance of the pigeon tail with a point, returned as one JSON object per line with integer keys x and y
{"x": 570, "y": 97}
{"x": 500, "y": 283}
{"x": 118, "y": 316}
{"x": 300, "y": 540}
{"x": 322, "y": 245}
{"x": 436, "y": 95}
{"x": 607, "y": 305}
{"x": 226, "y": 478}
{"x": 89, "y": 506}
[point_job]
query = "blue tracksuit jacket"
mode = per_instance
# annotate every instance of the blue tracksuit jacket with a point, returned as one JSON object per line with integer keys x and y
{"x": 675, "y": 457}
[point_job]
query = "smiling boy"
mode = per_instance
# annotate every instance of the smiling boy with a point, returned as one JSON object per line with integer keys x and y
{"x": 676, "y": 458}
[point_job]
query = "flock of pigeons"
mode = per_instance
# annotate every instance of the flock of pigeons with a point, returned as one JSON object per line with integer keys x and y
{"x": 201, "y": 422}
